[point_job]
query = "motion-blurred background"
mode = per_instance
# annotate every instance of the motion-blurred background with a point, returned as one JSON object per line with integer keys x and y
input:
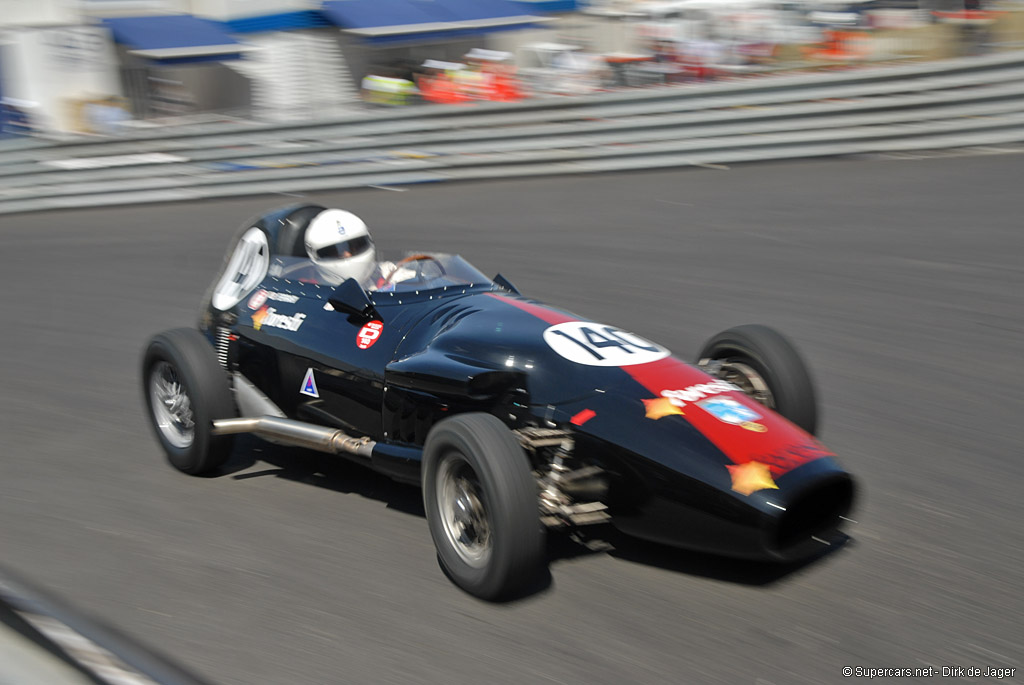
{"x": 110, "y": 66}
{"x": 848, "y": 173}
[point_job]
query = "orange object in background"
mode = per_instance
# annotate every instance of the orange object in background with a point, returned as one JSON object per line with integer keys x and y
{"x": 442, "y": 90}
{"x": 457, "y": 83}
{"x": 843, "y": 46}
{"x": 505, "y": 88}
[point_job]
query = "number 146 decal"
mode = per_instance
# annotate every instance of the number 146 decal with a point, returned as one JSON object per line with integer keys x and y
{"x": 595, "y": 344}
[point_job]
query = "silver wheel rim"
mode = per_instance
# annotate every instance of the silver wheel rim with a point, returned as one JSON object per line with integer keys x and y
{"x": 749, "y": 380}
{"x": 463, "y": 510}
{"x": 172, "y": 408}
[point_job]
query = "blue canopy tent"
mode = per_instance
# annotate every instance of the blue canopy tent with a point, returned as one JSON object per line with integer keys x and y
{"x": 174, "y": 39}
{"x": 171, "y": 65}
{"x": 388, "y": 21}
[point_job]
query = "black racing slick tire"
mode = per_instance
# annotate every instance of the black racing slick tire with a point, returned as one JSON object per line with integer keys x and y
{"x": 481, "y": 501}
{"x": 754, "y": 356}
{"x": 185, "y": 391}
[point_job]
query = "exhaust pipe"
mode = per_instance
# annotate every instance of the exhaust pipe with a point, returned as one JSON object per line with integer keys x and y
{"x": 298, "y": 434}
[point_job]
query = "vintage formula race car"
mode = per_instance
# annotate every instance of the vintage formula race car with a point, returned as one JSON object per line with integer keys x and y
{"x": 513, "y": 416}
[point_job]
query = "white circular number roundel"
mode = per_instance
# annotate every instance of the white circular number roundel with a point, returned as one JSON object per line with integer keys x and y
{"x": 246, "y": 268}
{"x": 595, "y": 344}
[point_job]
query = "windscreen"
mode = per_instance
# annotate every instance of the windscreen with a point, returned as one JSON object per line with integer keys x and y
{"x": 421, "y": 271}
{"x": 412, "y": 272}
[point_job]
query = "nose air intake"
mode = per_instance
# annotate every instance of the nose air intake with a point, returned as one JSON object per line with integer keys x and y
{"x": 814, "y": 512}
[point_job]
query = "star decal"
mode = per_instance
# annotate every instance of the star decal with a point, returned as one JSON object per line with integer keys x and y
{"x": 661, "y": 407}
{"x": 751, "y": 477}
{"x": 257, "y": 318}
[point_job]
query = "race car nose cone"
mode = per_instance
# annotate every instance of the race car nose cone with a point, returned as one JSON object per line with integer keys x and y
{"x": 809, "y": 509}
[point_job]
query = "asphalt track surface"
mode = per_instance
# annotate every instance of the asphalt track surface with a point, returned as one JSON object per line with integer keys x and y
{"x": 902, "y": 281}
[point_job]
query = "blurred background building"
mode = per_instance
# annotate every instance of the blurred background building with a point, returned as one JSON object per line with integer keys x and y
{"x": 96, "y": 66}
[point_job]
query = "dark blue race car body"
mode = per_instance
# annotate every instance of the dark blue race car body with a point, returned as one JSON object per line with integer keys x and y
{"x": 666, "y": 450}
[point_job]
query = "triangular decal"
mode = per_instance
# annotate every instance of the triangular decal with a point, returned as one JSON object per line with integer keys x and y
{"x": 309, "y": 384}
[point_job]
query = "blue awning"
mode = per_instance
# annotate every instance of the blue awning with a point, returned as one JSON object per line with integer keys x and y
{"x": 173, "y": 37}
{"x": 559, "y": 6}
{"x": 391, "y": 18}
{"x": 481, "y": 10}
{"x": 281, "y": 21}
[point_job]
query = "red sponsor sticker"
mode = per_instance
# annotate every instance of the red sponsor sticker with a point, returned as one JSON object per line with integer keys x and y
{"x": 258, "y": 299}
{"x": 368, "y": 334}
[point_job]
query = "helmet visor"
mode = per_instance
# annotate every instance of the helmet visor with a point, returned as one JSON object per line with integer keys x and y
{"x": 345, "y": 249}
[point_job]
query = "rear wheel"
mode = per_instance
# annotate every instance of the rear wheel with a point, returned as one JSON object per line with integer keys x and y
{"x": 766, "y": 366}
{"x": 186, "y": 390}
{"x": 481, "y": 503}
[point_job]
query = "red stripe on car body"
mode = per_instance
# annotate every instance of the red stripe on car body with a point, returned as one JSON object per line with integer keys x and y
{"x": 782, "y": 445}
{"x": 551, "y": 316}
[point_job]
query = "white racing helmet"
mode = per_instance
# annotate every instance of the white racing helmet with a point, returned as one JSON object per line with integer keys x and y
{"x": 340, "y": 246}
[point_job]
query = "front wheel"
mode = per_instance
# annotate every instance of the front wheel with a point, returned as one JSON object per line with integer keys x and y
{"x": 481, "y": 502}
{"x": 766, "y": 366}
{"x": 185, "y": 391}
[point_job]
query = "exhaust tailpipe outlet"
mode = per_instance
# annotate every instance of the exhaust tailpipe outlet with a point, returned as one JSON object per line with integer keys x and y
{"x": 297, "y": 434}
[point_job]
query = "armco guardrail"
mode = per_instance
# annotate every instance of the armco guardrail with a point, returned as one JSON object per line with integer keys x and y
{"x": 974, "y": 101}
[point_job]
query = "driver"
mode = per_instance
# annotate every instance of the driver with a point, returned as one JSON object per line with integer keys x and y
{"x": 340, "y": 247}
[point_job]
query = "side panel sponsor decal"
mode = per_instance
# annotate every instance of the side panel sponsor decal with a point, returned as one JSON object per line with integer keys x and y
{"x": 309, "y": 384}
{"x": 698, "y": 392}
{"x": 260, "y": 297}
{"x": 369, "y": 334}
{"x": 728, "y": 410}
{"x": 724, "y": 409}
{"x": 596, "y": 344}
{"x": 268, "y": 316}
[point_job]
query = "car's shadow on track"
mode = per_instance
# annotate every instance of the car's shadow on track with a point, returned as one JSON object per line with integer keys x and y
{"x": 321, "y": 470}
{"x": 607, "y": 540}
{"x": 343, "y": 476}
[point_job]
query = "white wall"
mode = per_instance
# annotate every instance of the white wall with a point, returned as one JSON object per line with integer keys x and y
{"x": 49, "y": 69}
{"x": 36, "y": 12}
{"x": 127, "y": 8}
{"x": 43, "y": 12}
